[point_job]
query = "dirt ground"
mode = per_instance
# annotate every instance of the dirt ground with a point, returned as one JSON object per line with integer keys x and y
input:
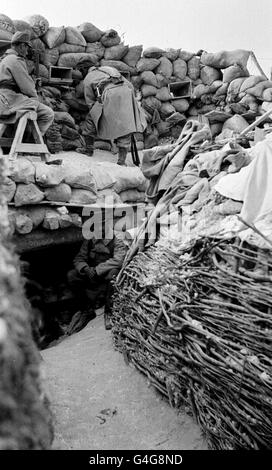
{"x": 101, "y": 403}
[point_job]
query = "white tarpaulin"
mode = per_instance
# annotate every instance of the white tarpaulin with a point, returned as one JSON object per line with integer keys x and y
{"x": 252, "y": 184}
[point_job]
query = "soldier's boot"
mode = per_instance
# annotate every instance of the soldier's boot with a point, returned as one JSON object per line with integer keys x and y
{"x": 122, "y": 155}
{"x": 89, "y": 146}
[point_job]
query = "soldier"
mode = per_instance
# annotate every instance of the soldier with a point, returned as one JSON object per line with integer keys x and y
{"x": 114, "y": 113}
{"x": 95, "y": 266}
{"x": 17, "y": 89}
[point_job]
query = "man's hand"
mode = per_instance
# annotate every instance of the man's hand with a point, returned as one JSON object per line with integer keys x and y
{"x": 90, "y": 273}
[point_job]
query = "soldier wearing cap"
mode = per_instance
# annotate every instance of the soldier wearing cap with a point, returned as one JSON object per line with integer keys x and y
{"x": 17, "y": 89}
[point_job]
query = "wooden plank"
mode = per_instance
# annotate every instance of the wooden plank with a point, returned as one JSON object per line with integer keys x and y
{"x": 31, "y": 148}
{"x": 40, "y": 239}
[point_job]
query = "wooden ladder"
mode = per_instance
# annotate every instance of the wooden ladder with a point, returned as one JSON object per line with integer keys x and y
{"x": 16, "y": 143}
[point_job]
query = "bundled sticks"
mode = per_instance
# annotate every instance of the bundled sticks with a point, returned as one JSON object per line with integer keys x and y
{"x": 199, "y": 326}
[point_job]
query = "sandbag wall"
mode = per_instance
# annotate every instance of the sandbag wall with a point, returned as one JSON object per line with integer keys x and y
{"x": 31, "y": 183}
{"x": 220, "y": 81}
{"x": 25, "y": 420}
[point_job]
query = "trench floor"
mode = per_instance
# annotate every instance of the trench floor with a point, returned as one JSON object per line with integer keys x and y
{"x": 101, "y": 403}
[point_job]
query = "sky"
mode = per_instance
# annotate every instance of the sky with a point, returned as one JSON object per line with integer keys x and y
{"x": 211, "y": 25}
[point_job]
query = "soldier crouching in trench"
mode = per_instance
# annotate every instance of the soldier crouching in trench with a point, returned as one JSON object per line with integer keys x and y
{"x": 95, "y": 266}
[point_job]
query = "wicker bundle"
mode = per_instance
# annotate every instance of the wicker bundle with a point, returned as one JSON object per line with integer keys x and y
{"x": 198, "y": 324}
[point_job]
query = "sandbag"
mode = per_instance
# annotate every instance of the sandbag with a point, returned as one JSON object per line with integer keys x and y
{"x": 115, "y": 52}
{"x": 216, "y": 128}
{"x": 200, "y": 90}
{"x": 181, "y": 105}
{"x": 126, "y": 177}
{"x": 50, "y": 57}
{"x": 133, "y": 55}
{"x": 163, "y": 94}
{"x": 8, "y": 189}
{"x": 215, "y": 85}
{"x": 76, "y": 219}
{"x": 149, "y": 78}
{"x": 21, "y": 25}
{"x": 110, "y": 38}
{"x": 36, "y": 214}
{"x": 96, "y": 48}
{"x": 108, "y": 196}
{"x": 7, "y": 28}
{"x": 69, "y": 133}
{"x": 185, "y": 55}
{"x": 43, "y": 71}
{"x": 60, "y": 193}
{"x": 27, "y": 194}
{"x": 72, "y": 59}
{"x": 267, "y": 94}
{"x": 118, "y": 64}
{"x": 70, "y": 48}
{"x": 73, "y": 36}
{"x": 65, "y": 221}
{"x": 165, "y": 67}
{"x": 103, "y": 177}
{"x": 146, "y": 64}
{"x": 48, "y": 175}
{"x": 176, "y": 118}
{"x": 153, "y": 53}
{"x": 209, "y": 74}
{"x": 23, "y": 224}
{"x": 151, "y": 104}
{"x": 132, "y": 195}
{"x": 90, "y": 32}
{"x": 234, "y": 87}
{"x": 64, "y": 118}
{"x": 258, "y": 89}
{"x": 236, "y": 123}
{"x": 163, "y": 128}
{"x": 51, "y": 219}
{"x": 161, "y": 80}
{"x": 251, "y": 81}
{"x": 22, "y": 170}
{"x": 148, "y": 90}
{"x": 38, "y": 23}
{"x": 54, "y": 36}
{"x": 221, "y": 91}
{"x": 180, "y": 69}
{"x": 136, "y": 81}
{"x": 193, "y": 68}
{"x": 79, "y": 178}
{"x": 167, "y": 109}
{"x": 233, "y": 72}
{"x": 224, "y": 59}
{"x": 68, "y": 144}
{"x": 83, "y": 196}
{"x": 172, "y": 54}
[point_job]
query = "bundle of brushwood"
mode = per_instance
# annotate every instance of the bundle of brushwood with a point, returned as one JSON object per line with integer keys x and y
{"x": 198, "y": 324}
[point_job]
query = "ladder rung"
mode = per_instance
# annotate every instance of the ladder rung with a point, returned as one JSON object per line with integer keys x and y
{"x": 31, "y": 148}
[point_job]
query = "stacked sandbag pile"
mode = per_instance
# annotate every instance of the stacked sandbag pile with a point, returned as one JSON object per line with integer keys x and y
{"x": 220, "y": 81}
{"x": 30, "y": 183}
{"x": 75, "y": 183}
